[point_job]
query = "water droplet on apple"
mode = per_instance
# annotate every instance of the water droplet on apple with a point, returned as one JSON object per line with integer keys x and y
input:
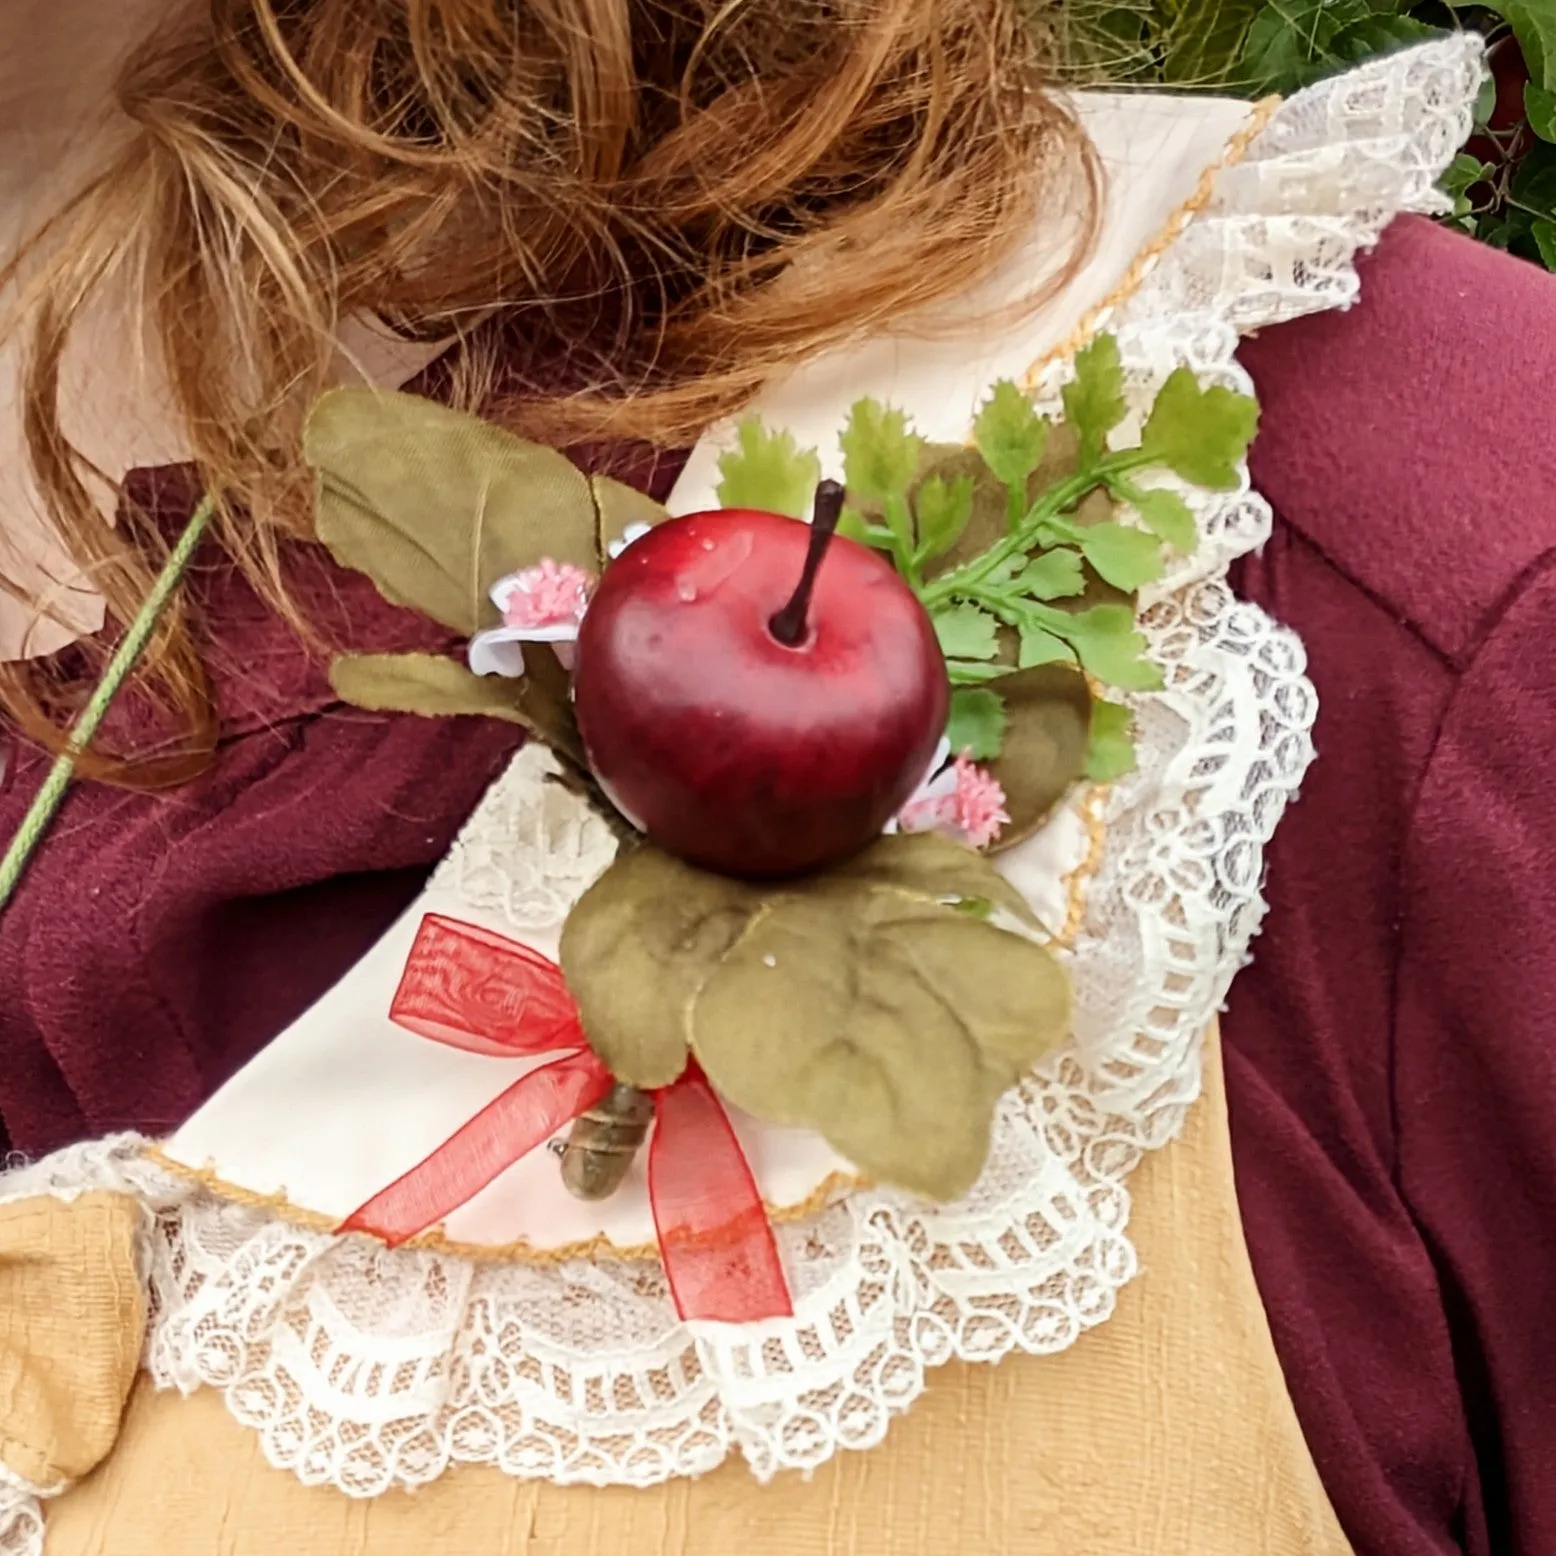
{"x": 769, "y": 960}
{"x": 707, "y": 545}
{"x": 686, "y": 588}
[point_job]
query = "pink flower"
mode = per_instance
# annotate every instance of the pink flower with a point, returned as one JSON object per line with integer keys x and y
{"x": 964, "y": 801}
{"x": 979, "y": 803}
{"x": 539, "y": 604}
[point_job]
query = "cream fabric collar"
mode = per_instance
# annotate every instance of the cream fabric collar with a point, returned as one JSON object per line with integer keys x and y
{"x": 344, "y": 1101}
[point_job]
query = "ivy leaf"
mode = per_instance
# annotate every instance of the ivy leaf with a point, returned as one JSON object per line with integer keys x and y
{"x": 976, "y": 725}
{"x": 1463, "y": 173}
{"x": 1544, "y": 234}
{"x": 1534, "y": 25}
{"x": 1048, "y": 717}
{"x": 1039, "y": 647}
{"x": 1111, "y": 751}
{"x": 435, "y": 506}
{"x": 880, "y": 453}
{"x": 1485, "y": 102}
{"x": 1110, "y": 648}
{"x": 1380, "y": 34}
{"x": 1010, "y": 435}
{"x": 1291, "y": 44}
{"x": 1540, "y": 106}
{"x": 1200, "y": 434}
{"x": 965, "y": 632}
{"x": 866, "y": 1005}
{"x": 1123, "y": 556}
{"x": 1167, "y": 516}
{"x": 943, "y": 509}
{"x": 427, "y": 684}
{"x": 1094, "y": 401}
{"x": 1056, "y": 574}
{"x": 1534, "y": 184}
{"x": 768, "y": 470}
{"x": 1204, "y": 38}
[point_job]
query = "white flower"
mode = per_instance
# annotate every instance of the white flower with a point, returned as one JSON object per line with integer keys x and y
{"x": 633, "y": 532}
{"x": 539, "y": 604}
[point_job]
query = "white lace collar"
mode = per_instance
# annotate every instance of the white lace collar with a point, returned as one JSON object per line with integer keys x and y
{"x": 1221, "y": 219}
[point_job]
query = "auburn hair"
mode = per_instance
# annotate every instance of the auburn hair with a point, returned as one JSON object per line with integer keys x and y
{"x": 627, "y": 214}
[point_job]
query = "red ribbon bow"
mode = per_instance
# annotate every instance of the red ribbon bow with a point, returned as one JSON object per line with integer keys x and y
{"x": 475, "y": 990}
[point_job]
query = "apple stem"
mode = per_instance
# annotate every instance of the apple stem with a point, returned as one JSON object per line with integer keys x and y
{"x": 789, "y": 625}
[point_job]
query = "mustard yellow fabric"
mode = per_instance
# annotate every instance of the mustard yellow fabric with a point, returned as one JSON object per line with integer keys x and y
{"x": 71, "y": 1319}
{"x": 1166, "y": 1432}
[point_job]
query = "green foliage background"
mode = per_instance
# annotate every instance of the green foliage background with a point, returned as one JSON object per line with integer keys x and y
{"x": 1503, "y": 185}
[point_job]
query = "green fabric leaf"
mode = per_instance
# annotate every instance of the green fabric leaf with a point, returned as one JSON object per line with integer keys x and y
{"x": 1167, "y": 516}
{"x": 857, "y": 527}
{"x": 422, "y": 683}
{"x": 934, "y": 866}
{"x": 435, "y": 506}
{"x": 989, "y": 519}
{"x": 635, "y": 951}
{"x": 1201, "y": 434}
{"x": 943, "y": 509}
{"x": 1111, "y": 751}
{"x": 1010, "y": 435}
{"x": 880, "y": 452}
{"x": 976, "y": 724}
{"x": 974, "y": 672}
{"x": 1109, "y": 647}
{"x": 1047, "y": 722}
{"x": 965, "y": 632}
{"x": 1123, "y": 556}
{"x": 768, "y": 470}
{"x": 876, "y": 1013}
{"x": 1039, "y": 647}
{"x": 1054, "y": 575}
{"x": 544, "y": 695}
{"x": 880, "y": 1002}
{"x": 617, "y": 508}
{"x": 435, "y": 687}
{"x": 1094, "y": 401}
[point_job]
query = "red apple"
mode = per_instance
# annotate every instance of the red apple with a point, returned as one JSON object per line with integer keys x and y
{"x": 756, "y": 696}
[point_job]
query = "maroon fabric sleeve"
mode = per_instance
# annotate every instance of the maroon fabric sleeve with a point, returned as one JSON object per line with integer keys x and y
{"x": 1391, "y": 1052}
{"x": 158, "y": 941}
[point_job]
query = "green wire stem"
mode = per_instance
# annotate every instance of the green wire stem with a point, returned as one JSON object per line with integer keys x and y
{"x": 46, "y": 803}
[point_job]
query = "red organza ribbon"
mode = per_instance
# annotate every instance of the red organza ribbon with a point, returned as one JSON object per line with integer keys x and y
{"x": 476, "y": 990}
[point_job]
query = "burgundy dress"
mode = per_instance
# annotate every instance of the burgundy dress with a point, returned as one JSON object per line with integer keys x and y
{"x": 1391, "y": 1052}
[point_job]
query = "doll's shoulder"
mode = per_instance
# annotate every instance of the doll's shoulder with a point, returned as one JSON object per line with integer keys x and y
{"x": 1407, "y": 439}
